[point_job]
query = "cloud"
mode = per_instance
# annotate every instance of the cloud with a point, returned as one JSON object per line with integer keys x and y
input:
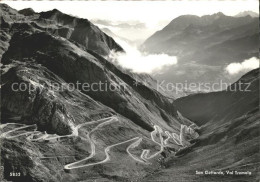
{"x": 140, "y": 62}
{"x": 247, "y": 65}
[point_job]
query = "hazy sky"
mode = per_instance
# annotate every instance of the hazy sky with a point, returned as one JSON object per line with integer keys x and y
{"x": 150, "y": 12}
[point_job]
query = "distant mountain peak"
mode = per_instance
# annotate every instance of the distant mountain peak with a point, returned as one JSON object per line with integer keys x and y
{"x": 247, "y": 13}
{"x": 219, "y": 14}
{"x": 55, "y": 11}
{"x": 52, "y": 13}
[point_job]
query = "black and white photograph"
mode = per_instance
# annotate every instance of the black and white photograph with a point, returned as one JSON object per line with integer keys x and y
{"x": 129, "y": 91}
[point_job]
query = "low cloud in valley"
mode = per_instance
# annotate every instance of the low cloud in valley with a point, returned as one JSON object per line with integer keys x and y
{"x": 140, "y": 62}
{"x": 246, "y": 65}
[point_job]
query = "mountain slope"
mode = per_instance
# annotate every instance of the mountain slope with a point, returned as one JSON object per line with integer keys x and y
{"x": 69, "y": 114}
{"x": 75, "y": 65}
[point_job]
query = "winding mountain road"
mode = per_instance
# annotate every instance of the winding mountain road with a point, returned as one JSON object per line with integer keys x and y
{"x": 146, "y": 152}
{"x": 8, "y": 134}
{"x": 94, "y": 126}
{"x": 76, "y": 165}
{"x": 133, "y": 145}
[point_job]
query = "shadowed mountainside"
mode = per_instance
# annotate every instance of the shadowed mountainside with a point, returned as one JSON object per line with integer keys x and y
{"x": 229, "y": 135}
{"x": 239, "y": 98}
